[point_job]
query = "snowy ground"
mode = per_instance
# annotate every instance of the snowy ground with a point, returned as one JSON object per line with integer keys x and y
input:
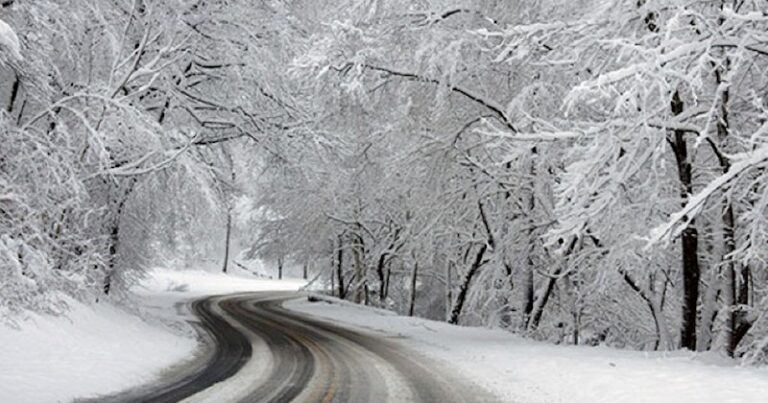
{"x": 101, "y": 349}
{"x": 524, "y": 371}
{"x": 94, "y": 349}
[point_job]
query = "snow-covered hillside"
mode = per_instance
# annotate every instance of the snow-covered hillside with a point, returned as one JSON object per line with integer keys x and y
{"x": 93, "y": 349}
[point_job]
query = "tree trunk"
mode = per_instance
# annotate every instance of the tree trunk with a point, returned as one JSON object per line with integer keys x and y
{"x": 114, "y": 235}
{"x": 415, "y": 273}
{"x": 506, "y": 309}
{"x": 387, "y": 282}
{"x": 228, "y": 205}
{"x": 737, "y": 275}
{"x": 114, "y": 239}
{"x": 731, "y": 281}
{"x": 333, "y": 273}
{"x": 528, "y": 293}
{"x": 382, "y": 268}
{"x": 448, "y": 289}
{"x": 14, "y": 93}
{"x": 226, "y": 241}
{"x": 540, "y": 302}
{"x": 340, "y": 268}
{"x": 528, "y": 284}
{"x": 461, "y": 297}
{"x": 380, "y": 271}
{"x": 690, "y": 289}
{"x": 710, "y": 305}
{"x": 741, "y": 323}
{"x": 662, "y": 338}
{"x": 689, "y": 237}
{"x": 360, "y": 278}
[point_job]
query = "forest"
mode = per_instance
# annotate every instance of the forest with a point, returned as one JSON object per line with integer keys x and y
{"x": 588, "y": 172}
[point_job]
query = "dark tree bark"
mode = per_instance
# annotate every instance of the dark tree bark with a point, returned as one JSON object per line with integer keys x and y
{"x": 689, "y": 237}
{"x": 414, "y": 275}
{"x": 340, "y": 268}
{"x": 528, "y": 290}
{"x": 540, "y": 302}
{"x": 381, "y": 272}
{"x": 506, "y": 309}
{"x": 113, "y": 247}
{"x": 359, "y": 283}
{"x": 114, "y": 239}
{"x": 14, "y": 93}
{"x": 479, "y": 261}
{"x": 228, "y": 208}
{"x": 388, "y": 282}
{"x": 461, "y": 297}
{"x": 227, "y": 241}
{"x": 382, "y": 269}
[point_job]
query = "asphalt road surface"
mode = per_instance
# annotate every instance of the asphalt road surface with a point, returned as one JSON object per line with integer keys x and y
{"x": 261, "y": 352}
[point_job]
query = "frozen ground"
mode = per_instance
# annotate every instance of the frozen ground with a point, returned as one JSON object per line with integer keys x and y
{"x": 524, "y": 371}
{"x": 101, "y": 348}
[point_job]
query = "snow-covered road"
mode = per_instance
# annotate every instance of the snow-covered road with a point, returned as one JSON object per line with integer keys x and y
{"x": 265, "y": 353}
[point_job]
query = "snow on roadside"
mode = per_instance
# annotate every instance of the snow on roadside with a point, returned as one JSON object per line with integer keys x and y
{"x": 101, "y": 349}
{"x": 97, "y": 348}
{"x": 520, "y": 370}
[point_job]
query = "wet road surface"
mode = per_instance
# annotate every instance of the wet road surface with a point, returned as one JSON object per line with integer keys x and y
{"x": 262, "y": 352}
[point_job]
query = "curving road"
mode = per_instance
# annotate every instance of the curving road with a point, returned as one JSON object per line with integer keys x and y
{"x": 265, "y": 353}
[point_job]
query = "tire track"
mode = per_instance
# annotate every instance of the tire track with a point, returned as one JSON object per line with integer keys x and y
{"x": 311, "y": 361}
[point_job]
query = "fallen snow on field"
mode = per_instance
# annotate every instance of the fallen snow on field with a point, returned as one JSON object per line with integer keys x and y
{"x": 520, "y": 370}
{"x": 101, "y": 349}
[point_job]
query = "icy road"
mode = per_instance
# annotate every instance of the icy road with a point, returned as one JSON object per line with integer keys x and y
{"x": 264, "y": 353}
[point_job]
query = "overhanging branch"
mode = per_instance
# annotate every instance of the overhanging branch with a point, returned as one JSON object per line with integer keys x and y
{"x": 491, "y": 105}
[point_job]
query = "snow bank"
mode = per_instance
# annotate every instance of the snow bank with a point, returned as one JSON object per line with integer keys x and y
{"x": 95, "y": 349}
{"x": 526, "y": 371}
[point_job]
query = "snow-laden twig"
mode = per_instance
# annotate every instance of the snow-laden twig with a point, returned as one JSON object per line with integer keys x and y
{"x": 664, "y": 233}
{"x": 9, "y": 41}
{"x": 539, "y": 136}
{"x": 633, "y": 70}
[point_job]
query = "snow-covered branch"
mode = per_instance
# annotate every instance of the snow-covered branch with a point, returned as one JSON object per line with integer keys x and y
{"x": 678, "y": 221}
